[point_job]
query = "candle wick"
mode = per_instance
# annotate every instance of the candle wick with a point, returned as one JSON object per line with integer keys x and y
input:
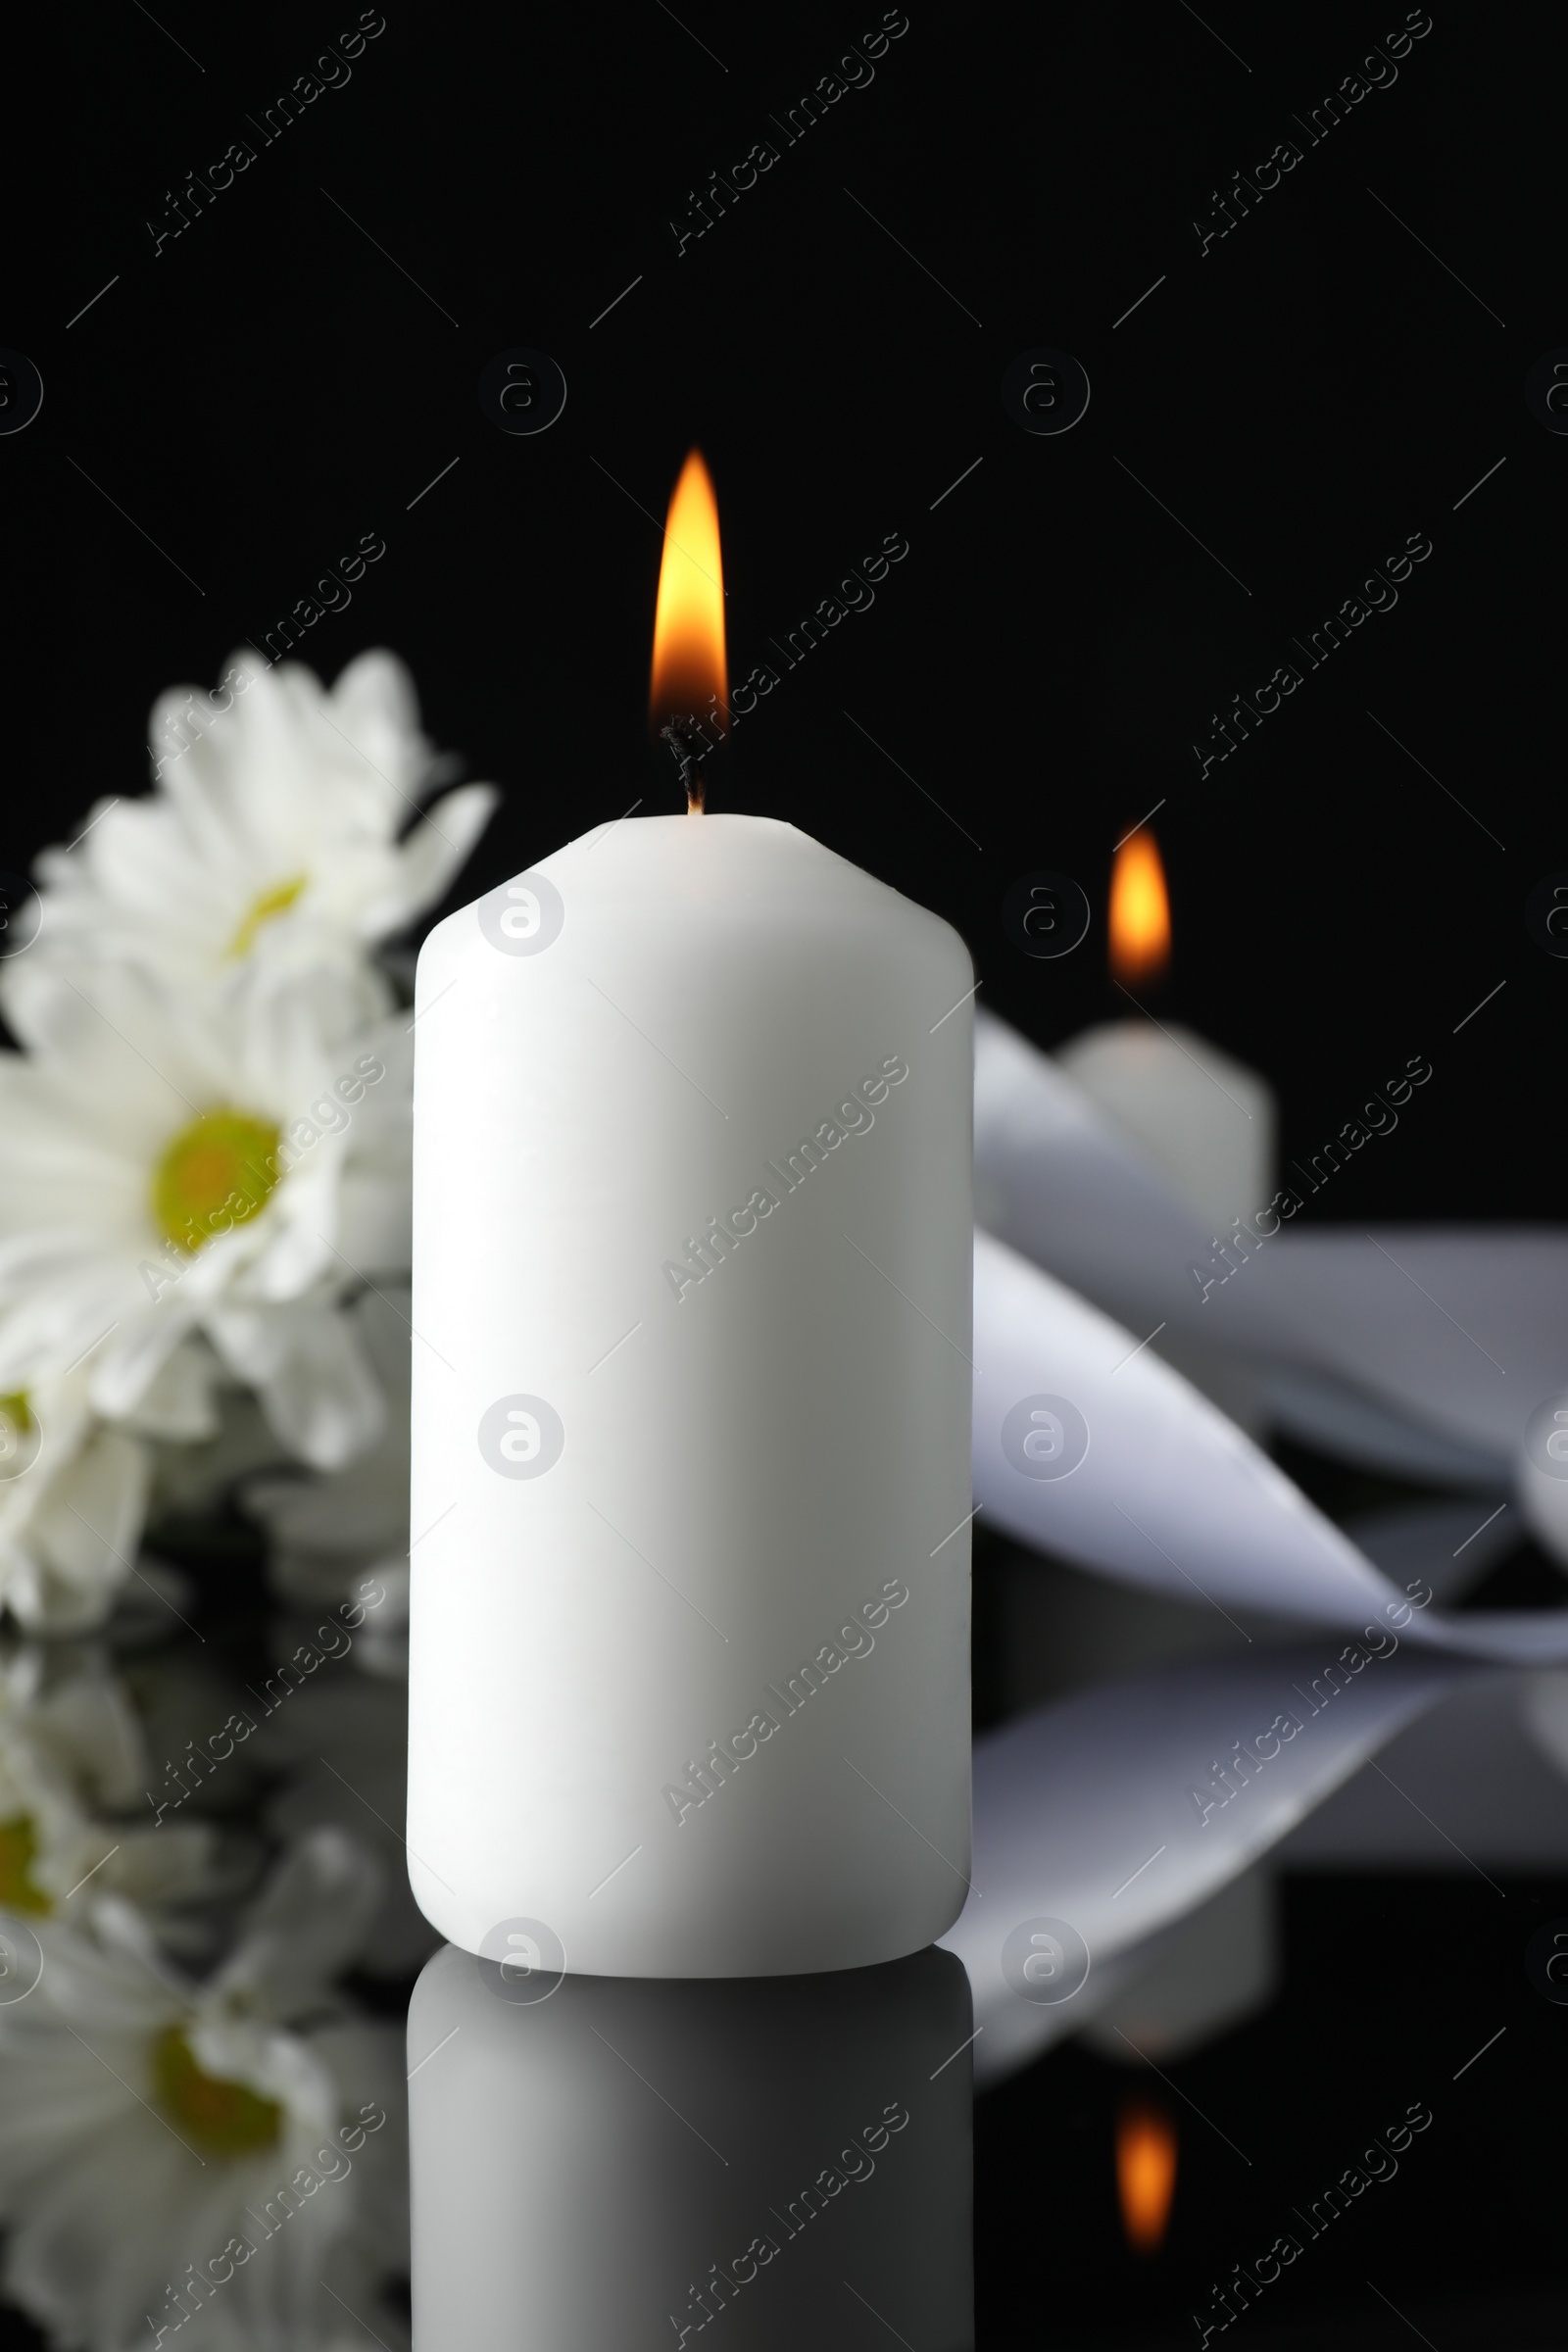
{"x": 683, "y": 741}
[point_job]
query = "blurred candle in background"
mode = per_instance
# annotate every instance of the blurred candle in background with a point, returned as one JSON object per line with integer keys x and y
{"x": 1204, "y": 1120}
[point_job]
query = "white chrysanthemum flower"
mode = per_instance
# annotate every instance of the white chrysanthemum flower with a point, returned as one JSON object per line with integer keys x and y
{"x": 344, "y": 1741}
{"x": 226, "y": 1162}
{"x": 194, "y": 1478}
{"x": 273, "y": 833}
{"x": 204, "y": 2157}
{"x": 73, "y": 1496}
{"x": 72, "y": 1756}
{"x": 330, "y": 1533}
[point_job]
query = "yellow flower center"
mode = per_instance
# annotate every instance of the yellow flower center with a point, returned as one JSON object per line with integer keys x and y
{"x": 18, "y": 1433}
{"x": 18, "y": 1847}
{"x": 217, "y": 1172}
{"x": 261, "y": 909}
{"x": 223, "y": 2117}
{"x": 17, "y": 1412}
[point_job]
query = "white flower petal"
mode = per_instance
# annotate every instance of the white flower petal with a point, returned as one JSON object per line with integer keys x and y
{"x": 433, "y": 852}
{"x": 306, "y": 1925}
{"x": 135, "y": 1355}
{"x": 87, "y": 1533}
{"x": 181, "y": 1400}
{"x": 322, "y": 1397}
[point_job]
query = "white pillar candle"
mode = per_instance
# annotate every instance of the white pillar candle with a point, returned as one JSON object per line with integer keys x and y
{"x": 692, "y": 1252}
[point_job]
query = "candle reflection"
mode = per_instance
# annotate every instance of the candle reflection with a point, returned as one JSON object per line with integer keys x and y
{"x": 1145, "y": 2174}
{"x": 623, "y": 2160}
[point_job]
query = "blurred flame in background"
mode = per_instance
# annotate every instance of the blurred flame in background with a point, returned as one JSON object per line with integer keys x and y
{"x": 1145, "y": 2174}
{"x": 1139, "y": 911}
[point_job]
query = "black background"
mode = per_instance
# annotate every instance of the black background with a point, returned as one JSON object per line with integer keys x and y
{"x": 1305, "y": 395}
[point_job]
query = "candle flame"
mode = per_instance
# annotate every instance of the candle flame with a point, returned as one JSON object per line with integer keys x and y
{"x": 1139, "y": 911}
{"x": 1145, "y": 2174}
{"x": 690, "y": 683}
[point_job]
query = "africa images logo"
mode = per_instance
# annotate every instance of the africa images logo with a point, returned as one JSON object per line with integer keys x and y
{"x": 523, "y": 916}
{"x": 1044, "y": 1437}
{"x": 521, "y": 1436}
